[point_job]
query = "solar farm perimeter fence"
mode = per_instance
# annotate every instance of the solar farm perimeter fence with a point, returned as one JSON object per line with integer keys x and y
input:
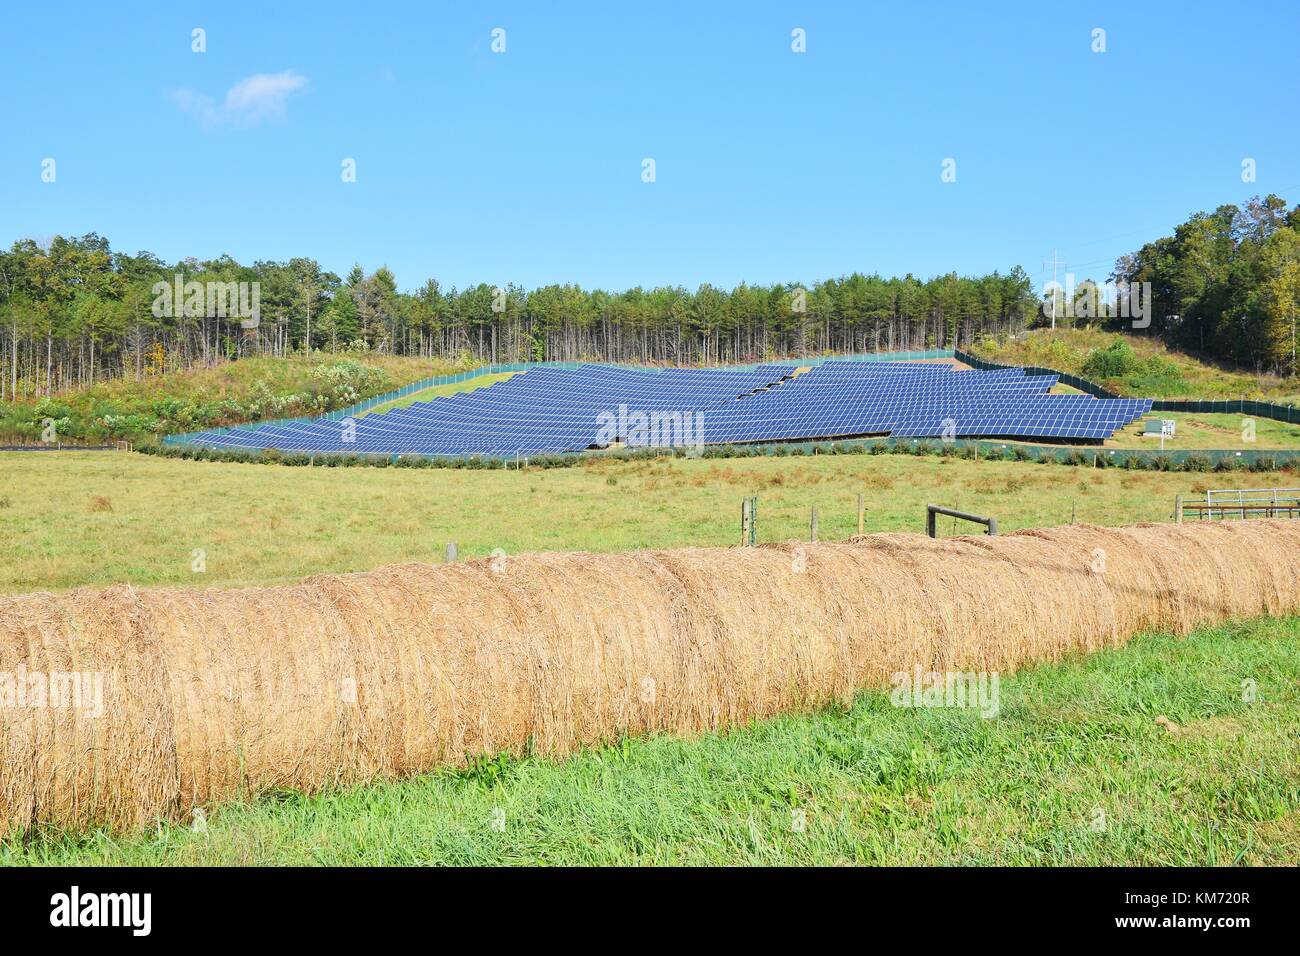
{"x": 1244, "y": 406}
{"x": 433, "y": 382}
{"x": 1283, "y": 413}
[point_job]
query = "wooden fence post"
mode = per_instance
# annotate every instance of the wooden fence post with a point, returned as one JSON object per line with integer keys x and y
{"x": 862, "y": 513}
{"x": 814, "y": 524}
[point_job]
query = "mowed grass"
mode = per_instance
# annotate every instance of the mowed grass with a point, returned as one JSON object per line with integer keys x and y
{"x": 439, "y": 391}
{"x": 1193, "y": 430}
{"x": 77, "y": 518}
{"x": 1074, "y": 769}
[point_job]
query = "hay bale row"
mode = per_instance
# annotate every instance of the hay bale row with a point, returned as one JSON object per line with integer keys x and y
{"x": 212, "y": 695}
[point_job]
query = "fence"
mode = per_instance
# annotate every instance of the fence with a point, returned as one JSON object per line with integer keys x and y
{"x": 1282, "y": 413}
{"x": 933, "y": 511}
{"x": 1241, "y": 503}
{"x": 1244, "y": 406}
{"x": 436, "y": 380}
{"x": 1233, "y": 406}
{"x": 374, "y": 402}
{"x": 1210, "y": 459}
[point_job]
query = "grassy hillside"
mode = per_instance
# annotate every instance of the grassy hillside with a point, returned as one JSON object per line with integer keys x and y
{"x": 231, "y": 392}
{"x": 264, "y": 387}
{"x": 1153, "y": 372}
{"x": 73, "y": 518}
{"x": 1077, "y": 768}
{"x": 439, "y": 391}
{"x": 1194, "y": 430}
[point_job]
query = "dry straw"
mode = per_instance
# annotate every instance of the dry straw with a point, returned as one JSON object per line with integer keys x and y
{"x": 213, "y": 695}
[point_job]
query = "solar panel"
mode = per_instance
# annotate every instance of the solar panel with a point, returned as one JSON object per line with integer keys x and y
{"x": 550, "y": 409}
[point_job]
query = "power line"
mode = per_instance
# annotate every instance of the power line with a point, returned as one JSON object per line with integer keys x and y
{"x": 1055, "y": 263}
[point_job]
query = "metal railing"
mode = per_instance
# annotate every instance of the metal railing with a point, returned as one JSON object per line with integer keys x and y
{"x": 931, "y": 511}
{"x": 1241, "y": 503}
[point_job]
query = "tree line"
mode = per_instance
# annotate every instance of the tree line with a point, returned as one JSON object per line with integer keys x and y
{"x": 76, "y": 311}
{"x": 1226, "y": 284}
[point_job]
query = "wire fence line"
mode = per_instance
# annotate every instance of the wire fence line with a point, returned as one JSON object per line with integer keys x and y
{"x": 1231, "y": 406}
{"x": 434, "y": 381}
{"x": 1271, "y": 410}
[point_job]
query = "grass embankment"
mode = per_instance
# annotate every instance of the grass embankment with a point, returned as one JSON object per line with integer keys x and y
{"x": 1154, "y": 371}
{"x": 76, "y": 518}
{"x": 439, "y": 391}
{"x": 1205, "y": 431}
{"x": 229, "y": 393}
{"x": 1076, "y": 769}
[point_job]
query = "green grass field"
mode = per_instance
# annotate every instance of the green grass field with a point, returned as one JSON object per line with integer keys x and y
{"x": 77, "y": 518}
{"x": 1198, "y": 431}
{"x": 1075, "y": 769}
{"x": 439, "y": 391}
{"x": 1164, "y": 372}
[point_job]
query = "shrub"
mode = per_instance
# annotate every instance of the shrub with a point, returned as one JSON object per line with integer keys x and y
{"x": 1114, "y": 361}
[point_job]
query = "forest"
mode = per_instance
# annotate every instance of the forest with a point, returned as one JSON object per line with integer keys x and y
{"x": 1226, "y": 284}
{"x": 74, "y": 311}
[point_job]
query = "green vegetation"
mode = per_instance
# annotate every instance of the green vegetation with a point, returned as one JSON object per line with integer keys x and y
{"x": 74, "y": 518}
{"x": 1205, "y": 431}
{"x": 1135, "y": 365}
{"x": 1227, "y": 284}
{"x": 439, "y": 391}
{"x": 227, "y": 393}
{"x": 75, "y": 312}
{"x": 1077, "y": 769}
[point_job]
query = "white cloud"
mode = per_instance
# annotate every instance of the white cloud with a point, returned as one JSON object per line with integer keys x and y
{"x": 253, "y": 99}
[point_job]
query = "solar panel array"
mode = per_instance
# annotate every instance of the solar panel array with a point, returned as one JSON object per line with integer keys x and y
{"x": 549, "y": 409}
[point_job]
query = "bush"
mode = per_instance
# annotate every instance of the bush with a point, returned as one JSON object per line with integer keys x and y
{"x": 1156, "y": 376}
{"x": 1114, "y": 361}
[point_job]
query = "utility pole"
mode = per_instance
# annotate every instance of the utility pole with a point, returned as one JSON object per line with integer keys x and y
{"x": 1055, "y": 263}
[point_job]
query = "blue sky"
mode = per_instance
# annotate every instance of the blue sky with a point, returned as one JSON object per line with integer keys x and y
{"x": 526, "y": 166}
